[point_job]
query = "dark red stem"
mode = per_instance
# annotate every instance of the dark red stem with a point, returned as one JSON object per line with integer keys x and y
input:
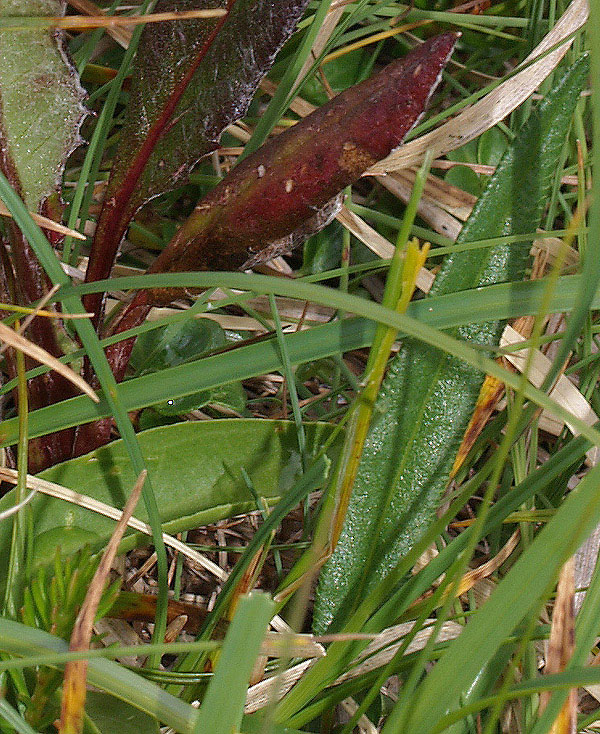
{"x": 116, "y": 210}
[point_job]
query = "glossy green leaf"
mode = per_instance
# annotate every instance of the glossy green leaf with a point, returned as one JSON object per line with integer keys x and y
{"x": 195, "y": 468}
{"x": 341, "y": 74}
{"x": 428, "y": 396}
{"x": 41, "y": 102}
{"x": 175, "y": 344}
{"x": 231, "y": 396}
{"x": 491, "y": 146}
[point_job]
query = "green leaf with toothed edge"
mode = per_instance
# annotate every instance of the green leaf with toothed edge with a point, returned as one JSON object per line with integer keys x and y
{"x": 41, "y": 102}
{"x": 428, "y": 397}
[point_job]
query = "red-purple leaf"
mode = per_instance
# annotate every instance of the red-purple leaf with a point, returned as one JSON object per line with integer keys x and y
{"x": 277, "y": 191}
{"x": 279, "y": 187}
{"x": 191, "y": 79}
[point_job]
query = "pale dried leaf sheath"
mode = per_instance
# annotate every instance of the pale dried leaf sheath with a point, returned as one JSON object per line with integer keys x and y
{"x": 9, "y": 336}
{"x": 564, "y": 391}
{"x": 496, "y": 105}
{"x": 377, "y": 654}
{"x": 85, "y": 22}
{"x": 560, "y": 648}
{"x": 120, "y": 34}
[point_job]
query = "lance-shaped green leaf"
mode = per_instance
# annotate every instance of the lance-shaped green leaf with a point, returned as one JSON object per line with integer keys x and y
{"x": 190, "y": 80}
{"x": 197, "y": 473}
{"x": 41, "y": 109}
{"x": 428, "y": 397}
{"x": 249, "y": 216}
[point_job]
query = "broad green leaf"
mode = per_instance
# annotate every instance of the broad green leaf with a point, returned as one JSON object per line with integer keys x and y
{"x": 196, "y": 471}
{"x": 341, "y": 74}
{"x": 491, "y": 146}
{"x": 168, "y": 346}
{"x": 190, "y": 80}
{"x": 110, "y": 715}
{"x": 41, "y": 102}
{"x": 323, "y": 250}
{"x": 232, "y": 396}
{"x": 428, "y": 397}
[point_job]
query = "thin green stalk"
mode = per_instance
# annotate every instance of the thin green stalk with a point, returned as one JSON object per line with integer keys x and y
{"x": 16, "y": 565}
{"x": 288, "y": 373}
{"x": 398, "y": 292}
{"x": 109, "y": 653}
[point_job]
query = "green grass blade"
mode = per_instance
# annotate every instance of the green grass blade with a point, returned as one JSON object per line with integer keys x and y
{"x": 17, "y": 639}
{"x": 223, "y": 706}
{"x": 89, "y": 339}
{"x": 517, "y": 595}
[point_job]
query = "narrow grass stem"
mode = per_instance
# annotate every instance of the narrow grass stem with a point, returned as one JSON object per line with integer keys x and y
{"x": 16, "y": 564}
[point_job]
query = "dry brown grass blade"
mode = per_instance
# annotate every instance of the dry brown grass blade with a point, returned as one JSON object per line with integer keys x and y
{"x": 430, "y": 208}
{"x": 46, "y": 223}
{"x": 487, "y": 402}
{"x": 324, "y": 34}
{"x": 12, "y": 338}
{"x": 74, "y": 685}
{"x": 445, "y": 207}
{"x": 560, "y": 648}
{"x": 298, "y": 105}
{"x": 564, "y": 391}
{"x": 496, "y": 105}
{"x": 377, "y": 654}
{"x": 486, "y": 170}
{"x": 87, "y": 22}
{"x": 120, "y": 34}
{"x": 450, "y": 198}
{"x": 378, "y": 244}
{"x": 486, "y": 569}
{"x": 68, "y": 495}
